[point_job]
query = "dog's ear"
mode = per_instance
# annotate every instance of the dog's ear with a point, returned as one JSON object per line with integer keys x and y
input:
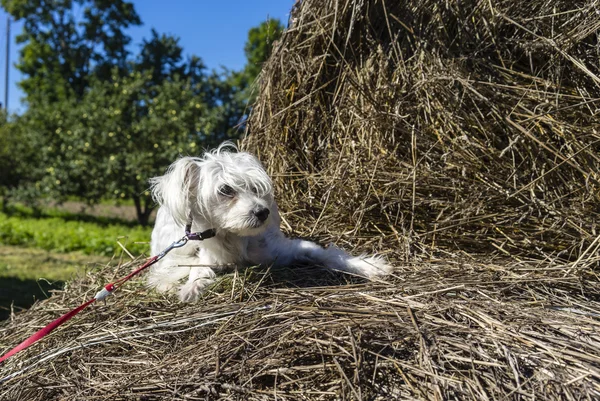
{"x": 177, "y": 190}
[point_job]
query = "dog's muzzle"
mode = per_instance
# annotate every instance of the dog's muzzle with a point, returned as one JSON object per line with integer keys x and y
{"x": 261, "y": 213}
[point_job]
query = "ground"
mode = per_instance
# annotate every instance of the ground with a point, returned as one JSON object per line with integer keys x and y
{"x": 105, "y": 209}
{"x": 28, "y": 274}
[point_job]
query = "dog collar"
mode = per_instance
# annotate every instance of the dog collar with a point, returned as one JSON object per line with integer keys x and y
{"x": 200, "y": 236}
{"x": 211, "y": 232}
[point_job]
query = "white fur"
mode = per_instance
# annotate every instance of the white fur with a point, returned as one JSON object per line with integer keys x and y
{"x": 192, "y": 189}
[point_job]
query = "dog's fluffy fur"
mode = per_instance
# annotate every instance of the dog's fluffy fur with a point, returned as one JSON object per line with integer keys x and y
{"x": 230, "y": 192}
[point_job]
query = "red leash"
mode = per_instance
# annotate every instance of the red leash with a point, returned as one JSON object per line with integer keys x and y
{"x": 107, "y": 290}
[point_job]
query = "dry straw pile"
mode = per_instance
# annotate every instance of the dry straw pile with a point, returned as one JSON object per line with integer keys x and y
{"x": 460, "y": 139}
{"x": 462, "y": 124}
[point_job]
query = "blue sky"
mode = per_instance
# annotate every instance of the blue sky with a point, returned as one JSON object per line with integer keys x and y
{"x": 213, "y": 30}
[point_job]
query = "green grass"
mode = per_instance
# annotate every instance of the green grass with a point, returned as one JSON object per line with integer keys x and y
{"x": 29, "y": 274}
{"x": 41, "y": 249}
{"x": 68, "y": 232}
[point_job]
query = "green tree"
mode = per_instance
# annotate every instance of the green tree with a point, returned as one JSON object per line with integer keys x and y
{"x": 121, "y": 133}
{"x": 61, "y": 52}
{"x": 237, "y": 88}
{"x": 259, "y": 46}
{"x": 8, "y": 159}
{"x": 162, "y": 56}
{"x": 19, "y": 157}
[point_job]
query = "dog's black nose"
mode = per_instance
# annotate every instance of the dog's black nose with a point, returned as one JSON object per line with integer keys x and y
{"x": 261, "y": 213}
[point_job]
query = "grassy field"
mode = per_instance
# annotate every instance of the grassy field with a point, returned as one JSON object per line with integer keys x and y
{"x": 29, "y": 274}
{"x": 62, "y": 231}
{"x": 40, "y": 250}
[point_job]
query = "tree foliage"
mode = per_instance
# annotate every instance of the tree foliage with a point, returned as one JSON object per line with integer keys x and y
{"x": 18, "y": 159}
{"x": 257, "y": 50}
{"x": 118, "y": 135}
{"x": 61, "y": 52}
{"x": 259, "y": 45}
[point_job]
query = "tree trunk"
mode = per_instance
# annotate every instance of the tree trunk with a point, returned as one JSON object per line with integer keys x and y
{"x": 143, "y": 209}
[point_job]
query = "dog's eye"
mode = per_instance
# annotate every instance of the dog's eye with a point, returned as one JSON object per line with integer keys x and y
{"x": 226, "y": 190}
{"x": 254, "y": 190}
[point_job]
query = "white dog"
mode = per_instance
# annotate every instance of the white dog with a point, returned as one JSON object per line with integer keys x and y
{"x": 231, "y": 193}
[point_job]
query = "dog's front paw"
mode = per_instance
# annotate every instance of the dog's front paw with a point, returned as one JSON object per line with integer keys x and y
{"x": 165, "y": 286}
{"x": 191, "y": 291}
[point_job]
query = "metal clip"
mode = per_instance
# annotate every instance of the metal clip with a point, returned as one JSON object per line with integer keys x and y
{"x": 176, "y": 244}
{"x": 180, "y": 243}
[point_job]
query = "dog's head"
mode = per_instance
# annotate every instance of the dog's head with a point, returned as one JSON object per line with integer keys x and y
{"x": 228, "y": 190}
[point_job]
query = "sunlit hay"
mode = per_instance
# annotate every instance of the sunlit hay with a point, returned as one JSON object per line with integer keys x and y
{"x": 410, "y": 126}
{"x": 442, "y": 329}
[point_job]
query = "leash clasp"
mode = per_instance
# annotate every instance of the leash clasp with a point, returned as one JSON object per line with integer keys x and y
{"x": 176, "y": 244}
{"x": 211, "y": 232}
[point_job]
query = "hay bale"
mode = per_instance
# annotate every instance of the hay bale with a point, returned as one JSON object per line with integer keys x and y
{"x": 439, "y": 330}
{"x": 428, "y": 131}
{"x": 426, "y": 124}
